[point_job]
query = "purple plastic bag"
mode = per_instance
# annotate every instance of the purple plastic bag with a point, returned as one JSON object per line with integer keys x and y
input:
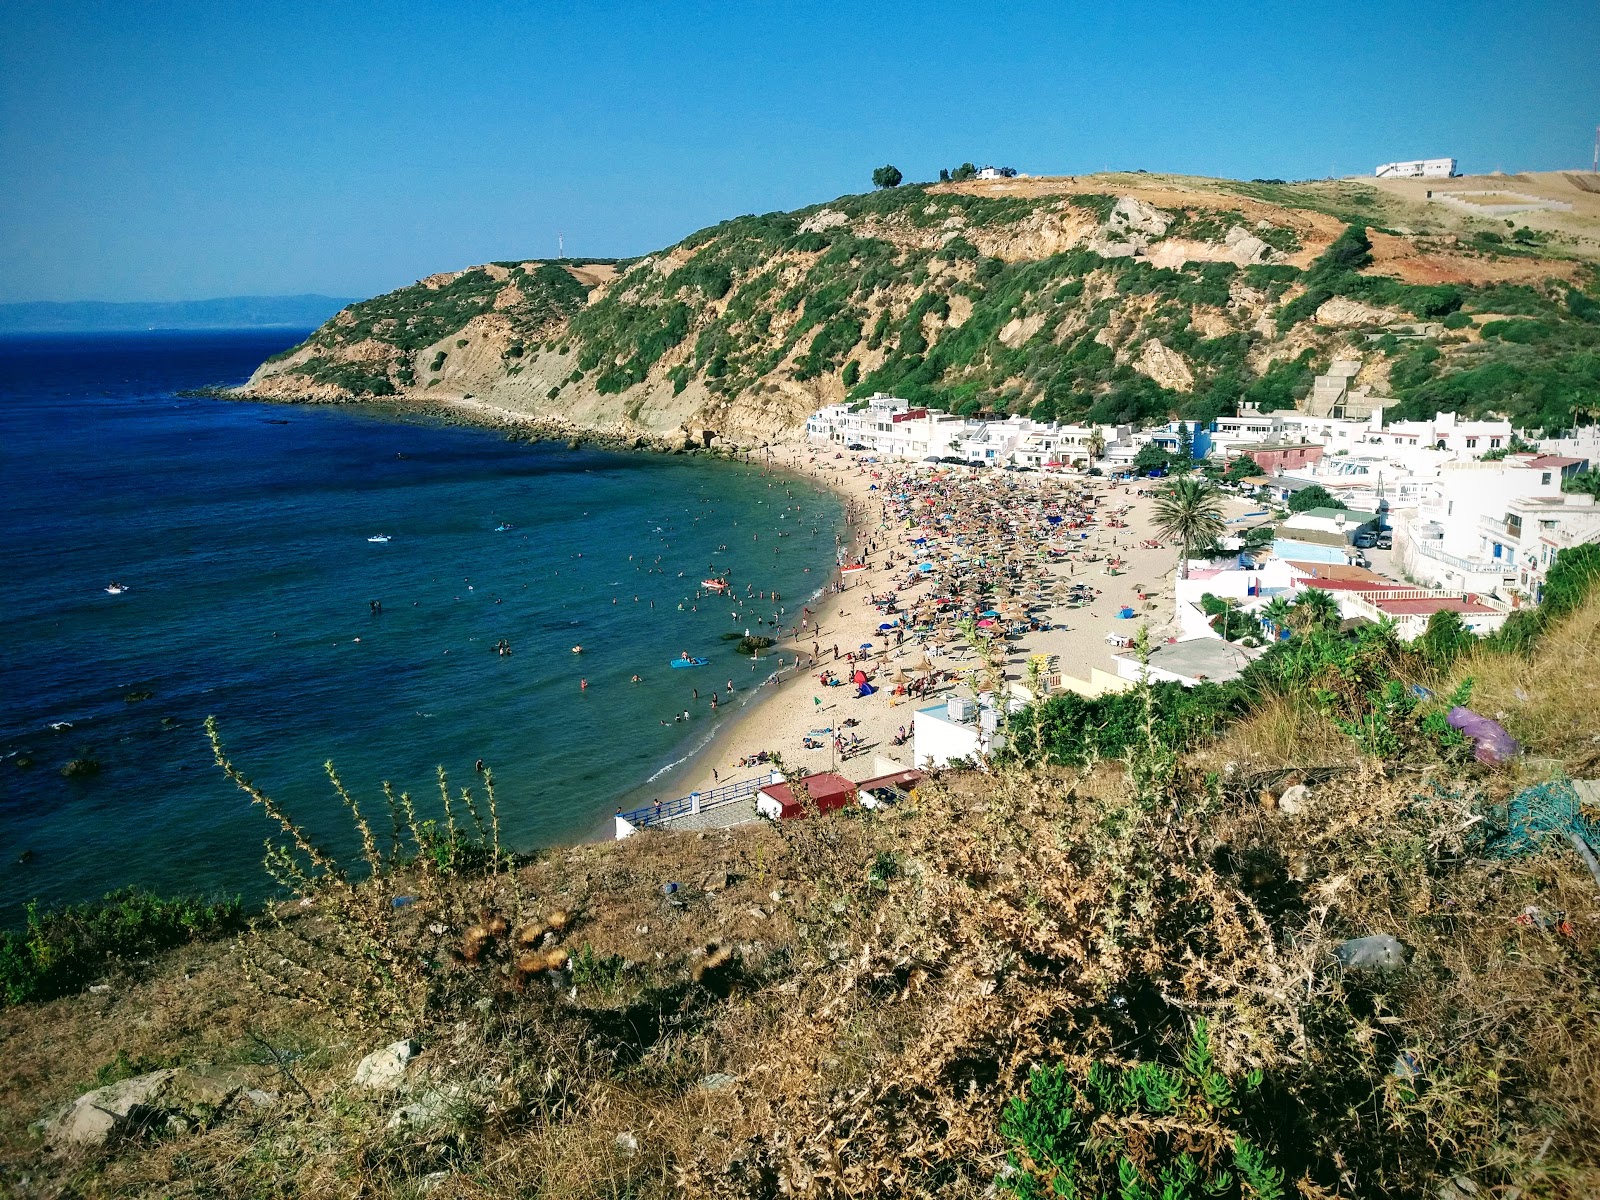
{"x": 1492, "y": 744}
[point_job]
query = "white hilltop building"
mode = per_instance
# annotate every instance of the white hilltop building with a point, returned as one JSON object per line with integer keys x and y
{"x": 1417, "y": 168}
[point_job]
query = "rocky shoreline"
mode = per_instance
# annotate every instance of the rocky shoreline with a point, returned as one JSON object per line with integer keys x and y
{"x": 516, "y": 427}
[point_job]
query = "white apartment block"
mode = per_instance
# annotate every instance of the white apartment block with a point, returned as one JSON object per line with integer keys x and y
{"x": 1494, "y": 527}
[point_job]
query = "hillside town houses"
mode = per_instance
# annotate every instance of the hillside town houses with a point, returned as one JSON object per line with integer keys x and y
{"x": 1470, "y": 514}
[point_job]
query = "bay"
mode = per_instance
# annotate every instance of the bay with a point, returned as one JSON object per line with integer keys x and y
{"x": 241, "y": 534}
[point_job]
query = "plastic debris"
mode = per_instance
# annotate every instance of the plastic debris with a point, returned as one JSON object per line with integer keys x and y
{"x": 668, "y": 888}
{"x": 1492, "y": 744}
{"x": 1546, "y": 810}
{"x": 1376, "y": 952}
{"x": 1406, "y": 1067}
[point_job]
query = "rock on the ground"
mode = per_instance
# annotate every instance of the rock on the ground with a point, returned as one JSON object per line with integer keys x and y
{"x": 174, "y": 1097}
{"x": 717, "y": 1081}
{"x": 427, "y": 1111}
{"x": 1376, "y": 952}
{"x": 1294, "y": 799}
{"x": 384, "y": 1069}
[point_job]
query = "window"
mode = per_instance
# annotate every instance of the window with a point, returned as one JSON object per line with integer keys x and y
{"x": 1494, "y": 443}
{"x": 1545, "y": 478}
{"x": 1472, "y": 443}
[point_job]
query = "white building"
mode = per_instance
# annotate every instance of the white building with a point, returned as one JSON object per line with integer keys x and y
{"x": 1494, "y": 527}
{"x": 1418, "y": 168}
{"x": 960, "y": 728}
{"x": 1191, "y": 662}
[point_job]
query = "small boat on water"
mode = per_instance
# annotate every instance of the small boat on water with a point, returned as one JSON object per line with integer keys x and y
{"x": 852, "y": 569}
{"x": 503, "y": 527}
{"x": 715, "y": 585}
{"x": 681, "y": 664}
{"x": 379, "y": 537}
{"x": 115, "y": 588}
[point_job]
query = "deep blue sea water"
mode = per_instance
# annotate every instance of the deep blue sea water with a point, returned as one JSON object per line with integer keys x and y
{"x": 240, "y": 531}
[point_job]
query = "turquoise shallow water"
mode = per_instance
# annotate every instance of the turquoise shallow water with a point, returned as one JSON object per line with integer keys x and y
{"x": 240, "y": 531}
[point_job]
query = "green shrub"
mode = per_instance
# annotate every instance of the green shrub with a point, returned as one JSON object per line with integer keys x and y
{"x": 1137, "y": 1131}
{"x": 64, "y": 950}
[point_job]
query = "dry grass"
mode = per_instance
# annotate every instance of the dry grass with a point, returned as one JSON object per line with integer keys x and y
{"x": 878, "y": 984}
{"x": 1551, "y": 701}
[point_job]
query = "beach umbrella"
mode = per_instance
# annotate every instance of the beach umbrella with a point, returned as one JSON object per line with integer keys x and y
{"x": 865, "y": 646}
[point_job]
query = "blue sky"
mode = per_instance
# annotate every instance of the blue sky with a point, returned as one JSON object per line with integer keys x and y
{"x": 158, "y": 151}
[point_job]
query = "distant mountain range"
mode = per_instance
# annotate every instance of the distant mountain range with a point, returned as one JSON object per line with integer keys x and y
{"x": 229, "y": 312}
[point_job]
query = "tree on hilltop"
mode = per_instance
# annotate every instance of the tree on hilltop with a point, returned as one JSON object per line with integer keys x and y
{"x": 887, "y": 177}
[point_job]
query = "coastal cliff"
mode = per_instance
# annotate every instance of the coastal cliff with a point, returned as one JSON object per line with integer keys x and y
{"x": 1114, "y": 298}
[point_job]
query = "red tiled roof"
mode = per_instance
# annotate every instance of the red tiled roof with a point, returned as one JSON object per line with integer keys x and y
{"x": 1553, "y": 460}
{"x": 827, "y": 791}
{"x": 900, "y": 779}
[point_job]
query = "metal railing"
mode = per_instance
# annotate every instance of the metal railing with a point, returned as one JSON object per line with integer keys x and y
{"x": 695, "y": 802}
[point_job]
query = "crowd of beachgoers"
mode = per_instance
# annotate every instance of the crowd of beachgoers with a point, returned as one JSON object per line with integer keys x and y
{"x": 949, "y": 579}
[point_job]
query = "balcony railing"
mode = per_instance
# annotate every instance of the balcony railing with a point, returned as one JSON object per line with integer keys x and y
{"x": 1476, "y": 566}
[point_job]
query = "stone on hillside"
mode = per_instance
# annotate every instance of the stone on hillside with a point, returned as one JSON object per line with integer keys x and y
{"x": 1165, "y": 366}
{"x": 1376, "y": 952}
{"x": 1247, "y": 248}
{"x": 717, "y": 1081}
{"x": 824, "y": 219}
{"x": 1132, "y": 215}
{"x": 1294, "y": 799}
{"x": 384, "y": 1069}
{"x": 1345, "y": 313}
{"x": 427, "y": 1111}
{"x": 173, "y": 1097}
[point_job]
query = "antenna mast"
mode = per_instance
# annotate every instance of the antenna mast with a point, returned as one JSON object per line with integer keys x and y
{"x": 561, "y": 244}
{"x": 1596, "y": 167}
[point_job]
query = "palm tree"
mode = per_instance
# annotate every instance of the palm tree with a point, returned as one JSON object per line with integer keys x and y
{"x": 1095, "y": 445}
{"x": 1190, "y": 512}
{"x": 1277, "y": 614}
{"x": 1315, "y": 609}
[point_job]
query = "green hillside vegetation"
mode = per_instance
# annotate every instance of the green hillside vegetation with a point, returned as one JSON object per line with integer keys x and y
{"x": 892, "y": 291}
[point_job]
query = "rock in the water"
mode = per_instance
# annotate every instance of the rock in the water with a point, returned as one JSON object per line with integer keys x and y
{"x": 1294, "y": 799}
{"x": 1376, "y": 952}
{"x": 384, "y": 1069}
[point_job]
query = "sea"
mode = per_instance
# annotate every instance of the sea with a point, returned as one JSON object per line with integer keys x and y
{"x": 254, "y": 591}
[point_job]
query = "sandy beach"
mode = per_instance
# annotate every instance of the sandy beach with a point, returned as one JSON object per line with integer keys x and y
{"x": 799, "y": 707}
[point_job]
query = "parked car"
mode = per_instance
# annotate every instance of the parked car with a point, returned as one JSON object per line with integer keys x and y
{"x": 1385, "y": 540}
{"x": 1366, "y": 540}
{"x": 855, "y": 446}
